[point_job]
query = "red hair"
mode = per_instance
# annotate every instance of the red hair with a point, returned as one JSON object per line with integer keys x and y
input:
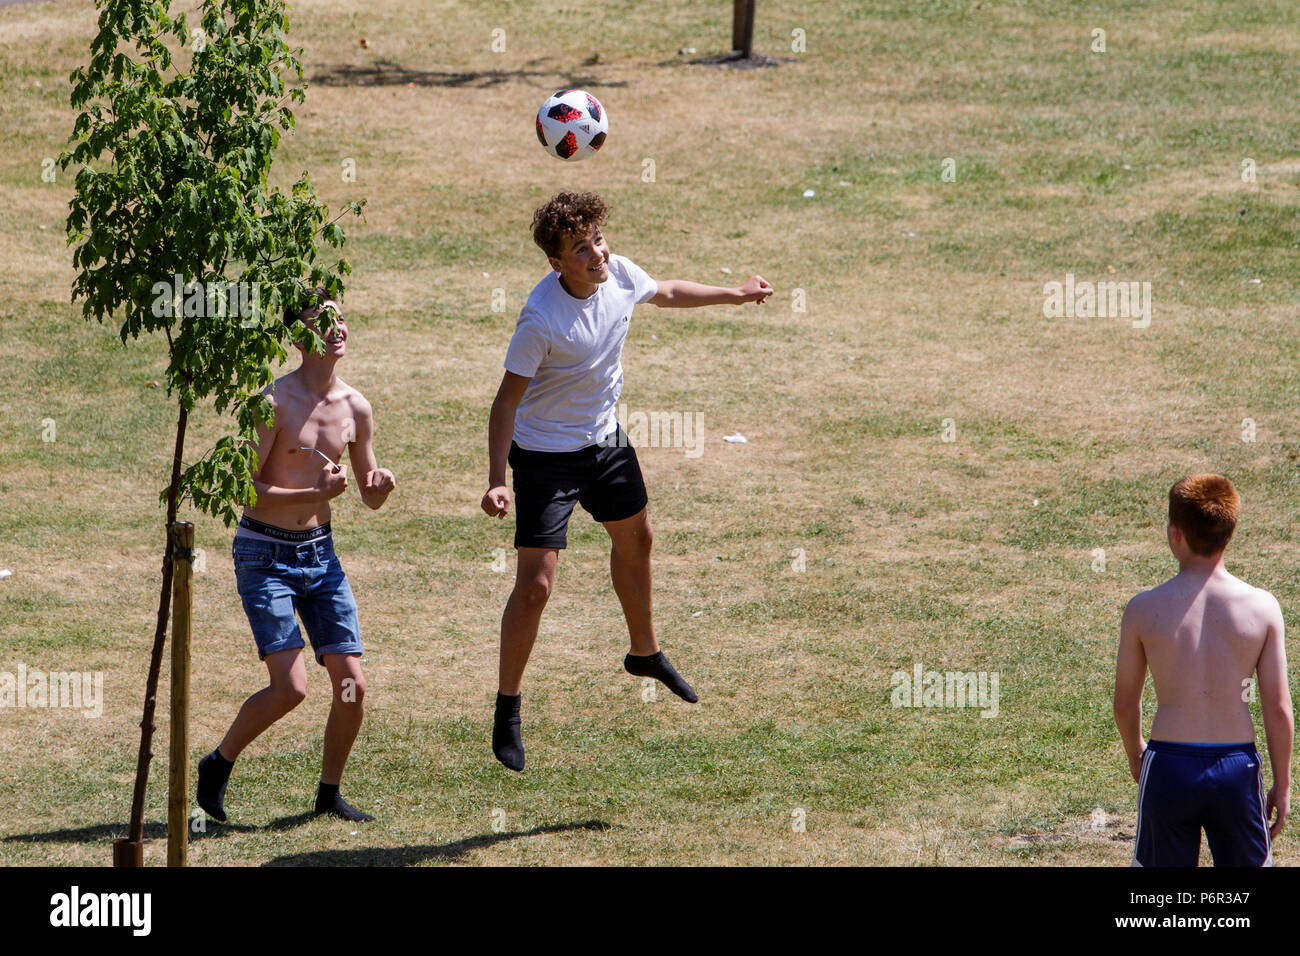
{"x": 1205, "y": 508}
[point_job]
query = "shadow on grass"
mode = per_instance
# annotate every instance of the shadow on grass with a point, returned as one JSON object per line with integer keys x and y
{"x": 734, "y": 60}
{"x": 410, "y": 855}
{"x": 388, "y": 73}
{"x": 107, "y": 832}
{"x": 94, "y": 834}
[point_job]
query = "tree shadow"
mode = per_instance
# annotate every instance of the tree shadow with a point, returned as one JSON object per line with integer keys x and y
{"x": 388, "y": 73}
{"x": 153, "y": 830}
{"x": 100, "y": 832}
{"x": 410, "y": 855}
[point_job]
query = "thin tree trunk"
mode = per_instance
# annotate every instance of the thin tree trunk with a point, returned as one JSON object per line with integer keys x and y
{"x": 159, "y": 639}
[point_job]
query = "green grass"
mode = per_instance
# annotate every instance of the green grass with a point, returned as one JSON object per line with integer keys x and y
{"x": 923, "y": 303}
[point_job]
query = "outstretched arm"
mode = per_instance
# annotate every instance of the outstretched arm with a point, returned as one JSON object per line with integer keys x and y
{"x": 1130, "y": 677}
{"x": 680, "y": 294}
{"x": 1279, "y": 724}
{"x": 376, "y": 483}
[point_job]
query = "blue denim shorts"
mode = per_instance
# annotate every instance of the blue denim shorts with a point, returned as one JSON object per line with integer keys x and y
{"x": 276, "y": 579}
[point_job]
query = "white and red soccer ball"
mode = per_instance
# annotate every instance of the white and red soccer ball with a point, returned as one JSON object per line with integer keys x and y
{"x": 572, "y": 125}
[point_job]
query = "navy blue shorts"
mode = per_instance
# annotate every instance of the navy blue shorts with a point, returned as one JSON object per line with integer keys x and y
{"x": 605, "y": 478}
{"x": 1186, "y": 787}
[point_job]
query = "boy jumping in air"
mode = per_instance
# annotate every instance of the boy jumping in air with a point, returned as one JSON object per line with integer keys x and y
{"x": 554, "y": 421}
{"x": 1203, "y": 634}
{"x": 284, "y": 561}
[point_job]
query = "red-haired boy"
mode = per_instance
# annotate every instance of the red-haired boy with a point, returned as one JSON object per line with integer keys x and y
{"x": 1203, "y": 634}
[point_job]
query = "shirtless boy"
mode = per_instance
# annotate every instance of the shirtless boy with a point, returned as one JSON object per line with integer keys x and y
{"x": 554, "y": 421}
{"x": 284, "y": 561}
{"x": 1203, "y": 634}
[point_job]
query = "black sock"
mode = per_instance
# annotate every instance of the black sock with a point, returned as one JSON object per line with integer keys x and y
{"x": 214, "y": 774}
{"x": 507, "y": 740}
{"x": 329, "y": 801}
{"x": 657, "y": 666}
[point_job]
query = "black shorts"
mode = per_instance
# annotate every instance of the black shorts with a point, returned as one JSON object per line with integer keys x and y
{"x": 604, "y": 478}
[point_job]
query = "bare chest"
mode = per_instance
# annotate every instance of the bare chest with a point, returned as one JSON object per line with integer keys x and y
{"x": 308, "y": 434}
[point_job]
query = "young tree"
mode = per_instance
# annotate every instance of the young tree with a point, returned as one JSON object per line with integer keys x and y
{"x": 172, "y": 203}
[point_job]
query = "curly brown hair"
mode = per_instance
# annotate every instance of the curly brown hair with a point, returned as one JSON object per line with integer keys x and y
{"x": 565, "y": 216}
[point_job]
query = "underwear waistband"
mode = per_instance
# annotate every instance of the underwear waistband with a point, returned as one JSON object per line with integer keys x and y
{"x": 252, "y": 528}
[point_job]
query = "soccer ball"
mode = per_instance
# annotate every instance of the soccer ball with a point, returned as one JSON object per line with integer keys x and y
{"x": 572, "y": 124}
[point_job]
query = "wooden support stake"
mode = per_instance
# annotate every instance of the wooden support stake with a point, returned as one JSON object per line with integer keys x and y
{"x": 742, "y": 28}
{"x": 178, "y": 789}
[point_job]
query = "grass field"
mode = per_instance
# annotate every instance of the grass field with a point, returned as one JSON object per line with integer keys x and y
{"x": 924, "y": 302}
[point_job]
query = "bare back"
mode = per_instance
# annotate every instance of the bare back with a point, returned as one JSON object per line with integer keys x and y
{"x": 328, "y": 424}
{"x": 1203, "y": 637}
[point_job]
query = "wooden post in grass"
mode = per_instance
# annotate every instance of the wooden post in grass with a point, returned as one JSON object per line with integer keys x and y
{"x": 742, "y": 28}
{"x": 178, "y": 789}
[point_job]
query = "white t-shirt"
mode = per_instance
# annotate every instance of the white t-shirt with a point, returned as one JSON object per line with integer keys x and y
{"x": 572, "y": 350}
